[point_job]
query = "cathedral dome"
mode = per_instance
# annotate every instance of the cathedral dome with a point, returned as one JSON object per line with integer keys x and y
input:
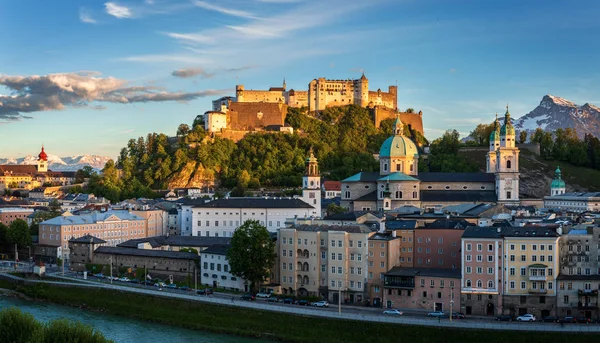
{"x": 557, "y": 182}
{"x": 42, "y": 156}
{"x": 398, "y": 145}
{"x": 495, "y": 135}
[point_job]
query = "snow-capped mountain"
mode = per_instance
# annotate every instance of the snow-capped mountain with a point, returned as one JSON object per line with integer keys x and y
{"x": 56, "y": 163}
{"x": 555, "y": 112}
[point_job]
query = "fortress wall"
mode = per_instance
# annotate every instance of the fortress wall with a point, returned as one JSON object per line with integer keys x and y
{"x": 415, "y": 120}
{"x": 251, "y": 115}
{"x": 263, "y": 96}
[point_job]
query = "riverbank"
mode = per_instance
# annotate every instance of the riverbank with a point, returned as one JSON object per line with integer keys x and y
{"x": 265, "y": 324}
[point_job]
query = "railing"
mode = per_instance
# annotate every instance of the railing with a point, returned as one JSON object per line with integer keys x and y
{"x": 538, "y": 278}
{"x": 587, "y": 292}
{"x": 587, "y": 306}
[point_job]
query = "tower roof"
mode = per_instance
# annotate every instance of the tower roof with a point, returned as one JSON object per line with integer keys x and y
{"x": 557, "y": 182}
{"x": 495, "y": 135}
{"x": 398, "y": 145}
{"x": 507, "y": 128}
{"x": 42, "y": 156}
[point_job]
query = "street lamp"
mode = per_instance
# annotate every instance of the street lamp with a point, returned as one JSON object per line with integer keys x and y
{"x": 451, "y": 302}
{"x": 110, "y": 259}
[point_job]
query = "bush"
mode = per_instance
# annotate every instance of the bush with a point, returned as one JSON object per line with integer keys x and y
{"x": 19, "y": 327}
{"x": 64, "y": 331}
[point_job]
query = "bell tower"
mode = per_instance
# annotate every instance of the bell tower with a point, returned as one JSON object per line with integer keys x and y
{"x": 507, "y": 164}
{"x": 42, "y": 163}
{"x": 311, "y": 184}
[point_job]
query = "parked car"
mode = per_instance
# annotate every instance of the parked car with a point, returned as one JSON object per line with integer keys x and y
{"x": 303, "y": 302}
{"x": 172, "y": 286}
{"x": 550, "y": 319}
{"x": 321, "y": 303}
{"x": 272, "y": 299}
{"x": 185, "y": 288}
{"x": 99, "y": 276}
{"x": 263, "y": 295}
{"x": 526, "y": 318}
{"x": 584, "y": 320}
{"x": 458, "y": 315}
{"x": 248, "y": 297}
{"x": 569, "y": 320}
{"x": 435, "y": 314}
{"x": 160, "y": 284}
{"x": 505, "y": 318}
{"x": 288, "y": 301}
{"x": 393, "y": 312}
{"x": 124, "y": 279}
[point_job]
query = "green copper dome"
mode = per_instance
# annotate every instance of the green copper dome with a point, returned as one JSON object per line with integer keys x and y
{"x": 507, "y": 128}
{"x": 398, "y": 145}
{"x": 558, "y": 182}
{"x": 495, "y": 135}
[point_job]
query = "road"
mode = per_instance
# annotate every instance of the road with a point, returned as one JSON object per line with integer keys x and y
{"x": 351, "y": 313}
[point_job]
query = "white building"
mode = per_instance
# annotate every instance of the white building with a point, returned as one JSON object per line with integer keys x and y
{"x": 503, "y": 160}
{"x": 311, "y": 185}
{"x": 574, "y": 202}
{"x": 215, "y": 270}
{"x": 220, "y": 218}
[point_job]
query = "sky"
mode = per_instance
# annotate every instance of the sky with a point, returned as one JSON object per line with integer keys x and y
{"x": 83, "y": 77}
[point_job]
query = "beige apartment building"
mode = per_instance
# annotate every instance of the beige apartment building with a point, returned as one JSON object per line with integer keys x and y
{"x": 156, "y": 221}
{"x": 326, "y": 261}
{"x": 384, "y": 254}
{"x": 114, "y": 227}
{"x": 10, "y": 214}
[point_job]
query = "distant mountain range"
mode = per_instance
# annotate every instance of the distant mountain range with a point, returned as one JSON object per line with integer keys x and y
{"x": 555, "y": 112}
{"x": 55, "y": 163}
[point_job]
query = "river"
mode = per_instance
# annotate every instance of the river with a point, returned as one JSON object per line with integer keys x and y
{"x": 120, "y": 329}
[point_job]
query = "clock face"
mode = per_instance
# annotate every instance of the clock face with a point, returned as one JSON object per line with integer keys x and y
{"x": 508, "y": 182}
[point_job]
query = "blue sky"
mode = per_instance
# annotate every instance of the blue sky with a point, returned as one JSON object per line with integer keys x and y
{"x": 83, "y": 77}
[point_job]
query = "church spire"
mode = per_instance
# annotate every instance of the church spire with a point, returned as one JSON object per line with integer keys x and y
{"x": 284, "y": 85}
{"x": 398, "y": 127}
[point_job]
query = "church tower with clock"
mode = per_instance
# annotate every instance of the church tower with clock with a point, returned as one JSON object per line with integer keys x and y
{"x": 311, "y": 184}
{"x": 506, "y": 163}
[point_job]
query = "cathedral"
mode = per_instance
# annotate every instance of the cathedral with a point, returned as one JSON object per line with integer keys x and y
{"x": 398, "y": 182}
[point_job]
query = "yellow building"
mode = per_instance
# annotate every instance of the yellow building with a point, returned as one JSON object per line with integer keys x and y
{"x": 531, "y": 265}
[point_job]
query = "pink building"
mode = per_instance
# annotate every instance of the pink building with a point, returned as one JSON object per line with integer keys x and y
{"x": 437, "y": 246}
{"x": 481, "y": 286}
{"x": 432, "y": 289}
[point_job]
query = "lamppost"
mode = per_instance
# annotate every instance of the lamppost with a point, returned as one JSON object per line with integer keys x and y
{"x": 340, "y": 297}
{"x": 110, "y": 259}
{"x": 145, "y": 274}
{"x": 451, "y": 302}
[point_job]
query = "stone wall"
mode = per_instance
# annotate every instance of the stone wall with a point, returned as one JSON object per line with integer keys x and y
{"x": 157, "y": 267}
{"x": 481, "y": 304}
{"x": 532, "y": 304}
{"x": 414, "y": 120}
{"x": 251, "y": 115}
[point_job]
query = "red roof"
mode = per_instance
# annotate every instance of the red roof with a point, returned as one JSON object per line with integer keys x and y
{"x": 332, "y": 185}
{"x": 42, "y": 156}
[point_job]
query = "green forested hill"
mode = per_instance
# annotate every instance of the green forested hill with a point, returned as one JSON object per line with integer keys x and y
{"x": 343, "y": 138}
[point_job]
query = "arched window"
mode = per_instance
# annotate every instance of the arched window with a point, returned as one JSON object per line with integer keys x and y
{"x": 479, "y": 284}
{"x": 385, "y": 167}
{"x": 306, "y": 254}
{"x": 490, "y": 284}
{"x": 398, "y": 194}
{"x": 508, "y": 164}
{"x": 414, "y": 195}
{"x": 398, "y": 167}
{"x": 387, "y": 204}
{"x": 347, "y": 194}
{"x": 468, "y": 283}
{"x": 299, "y": 267}
{"x": 305, "y": 267}
{"x": 305, "y": 280}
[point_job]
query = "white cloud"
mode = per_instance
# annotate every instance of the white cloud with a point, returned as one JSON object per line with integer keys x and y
{"x": 223, "y": 10}
{"x": 86, "y": 17}
{"x": 117, "y": 11}
{"x": 167, "y": 58}
{"x": 191, "y": 72}
{"x": 83, "y": 89}
{"x": 190, "y": 37}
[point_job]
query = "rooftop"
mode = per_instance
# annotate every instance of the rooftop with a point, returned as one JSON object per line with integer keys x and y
{"x": 255, "y": 203}
{"x": 457, "y": 177}
{"x": 482, "y": 232}
{"x": 178, "y": 241}
{"x": 382, "y": 237}
{"x": 217, "y": 249}
{"x": 458, "y": 195}
{"x": 92, "y": 218}
{"x": 88, "y": 239}
{"x": 346, "y": 228}
{"x": 146, "y": 253}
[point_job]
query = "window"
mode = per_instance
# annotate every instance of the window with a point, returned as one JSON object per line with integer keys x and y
{"x": 333, "y": 243}
{"x": 360, "y": 244}
{"x": 332, "y": 270}
{"x": 490, "y": 284}
{"x": 512, "y": 258}
{"x": 340, "y": 257}
{"x": 422, "y": 282}
{"x": 512, "y": 247}
{"x": 382, "y": 264}
{"x": 290, "y": 266}
{"x": 442, "y": 283}
{"x": 468, "y": 283}
{"x": 351, "y": 243}
{"x": 284, "y": 252}
{"x": 523, "y": 271}
{"x": 490, "y": 258}
{"x": 322, "y": 242}
{"x": 340, "y": 244}
{"x": 512, "y": 271}
{"x": 359, "y": 271}
{"x": 479, "y": 258}
{"x": 468, "y": 269}
{"x": 323, "y": 268}
{"x": 468, "y": 246}
{"x": 479, "y": 247}
{"x": 323, "y": 255}
{"x": 468, "y": 258}
{"x": 432, "y": 283}
{"x": 333, "y": 256}
{"x": 490, "y": 270}
{"x": 565, "y": 299}
{"x": 523, "y": 258}
{"x": 479, "y": 284}
{"x": 523, "y": 285}
{"x": 340, "y": 270}
{"x": 479, "y": 270}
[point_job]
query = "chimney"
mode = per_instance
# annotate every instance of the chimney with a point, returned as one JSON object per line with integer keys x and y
{"x": 394, "y": 233}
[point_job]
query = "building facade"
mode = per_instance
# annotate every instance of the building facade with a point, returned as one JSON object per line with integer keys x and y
{"x": 481, "y": 271}
{"x": 579, "y": 278}
{"x": 437, "y": 248}
{"x": 531, "y": 265}
{"x": 384, "y": 254}
{"x": 215, "y": 270}
{"x": 114, "y": 227}
{"x": 503, "y": 160}
{"x": 430, "y": 289}
{"x": 10, "y": 214}
{"x": 326, "y": 261}
{"x": 156, "y": 221}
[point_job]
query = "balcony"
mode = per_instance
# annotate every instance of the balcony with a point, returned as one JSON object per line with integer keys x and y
{"x": 537, "y": 291}
{"x": 538, "y": 278}
{"x": 587, "y": 306}
{"x": 587, "y": 292}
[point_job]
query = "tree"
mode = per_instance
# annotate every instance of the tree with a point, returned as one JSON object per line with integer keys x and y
{"x": 54, "y": 206}
{"x": 18, "y": 233}
{"x": 333, "y": 209}
{"x": 183, "y": 130}
{"x": 481, "y": 134}
{"x": 252, "y": 253}
{"x": 523, "y": 137}
{"x": 4, "y": 243}
{"x": 410, "y": 110}
{"x": 192, "y": 250}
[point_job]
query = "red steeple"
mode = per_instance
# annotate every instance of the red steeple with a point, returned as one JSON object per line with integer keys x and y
{"x": 42, "y": 156}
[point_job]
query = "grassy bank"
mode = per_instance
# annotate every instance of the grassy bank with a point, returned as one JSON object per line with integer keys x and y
{"x": 270, "y": 325}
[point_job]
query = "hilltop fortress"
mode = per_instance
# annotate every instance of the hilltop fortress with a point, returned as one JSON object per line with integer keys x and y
{"x": 265, "y": 110}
